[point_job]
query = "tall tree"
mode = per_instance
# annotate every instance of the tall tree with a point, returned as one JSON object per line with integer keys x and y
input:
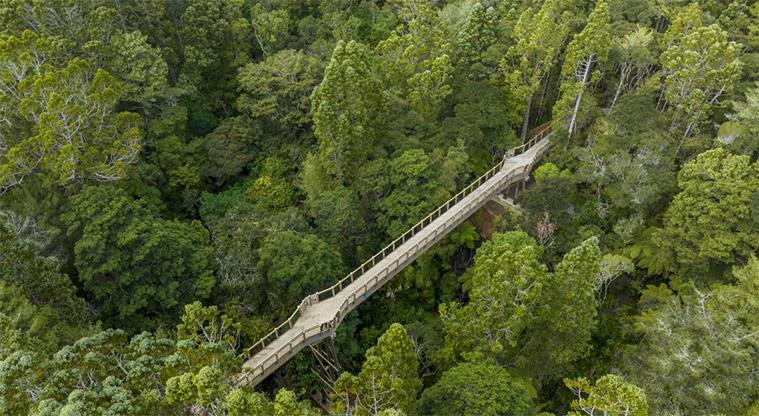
{"x": 339, "y": 220}
{"x": 387, "y": 380}
{"x": 587, "y": 50}
{"x": 634, "y": 59}
{"x": 139, "y": 267}
{"x": 22, "y": 264}
{"x": 61, "y": 122}
{"x": 106, "y": 373}
{"x": 346, "y": 109}
{"x": 611, "y": 395}
{"x": 295, "y": 266}
{"x": 539, "y": 38}
{"x": 747, "y": 120}
{"x": 713, "y": 222}
{"x": 699, "y": 68}
{"x": 214, "y": 42}
{"x": 277, "y": 92}
{"x": 417, "y": 58}
{"x": 476, "y": 389}
{"x": 698, "y": 353}
{"x": 478, "y": 34}
{"x": 230, "y": 148}
{"x": 134, "y": 61}
{"x": 243, "y": 402}
{"x": 406, "y": 188}
{"x": 270, "y": 28}
{"x": 520, "y": 314}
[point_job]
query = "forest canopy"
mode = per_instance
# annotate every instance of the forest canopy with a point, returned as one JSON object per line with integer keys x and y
{"x": 176, "y": 176}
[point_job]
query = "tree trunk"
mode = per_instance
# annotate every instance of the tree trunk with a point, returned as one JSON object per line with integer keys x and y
{"x": 688, "y": 130}
{"x": 585, "y": 75}
{"x": 543, "y": 90}
{"x": 622, "y": 79}
{"x": 526, "y": 119}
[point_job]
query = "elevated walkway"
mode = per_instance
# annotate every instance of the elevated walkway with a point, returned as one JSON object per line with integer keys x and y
{"x": 319, "y": 314}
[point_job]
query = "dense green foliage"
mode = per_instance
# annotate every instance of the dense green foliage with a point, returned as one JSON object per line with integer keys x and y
{"x": 476, "y": 389}
{"x": 175, "y": 177}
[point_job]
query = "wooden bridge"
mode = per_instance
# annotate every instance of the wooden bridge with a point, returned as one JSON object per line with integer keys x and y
{"x": 319, "y": 314}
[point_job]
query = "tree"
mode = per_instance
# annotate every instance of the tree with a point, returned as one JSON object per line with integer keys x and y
{"x": 388, "y": 378}
{"x": 17, "y": 365}
{"x": 478, "y": 34}
{"x": 295, "y": 266}
{"x": 520, "y": 314}
{"x": 346, "y": 108}
{"x": 410, "y": 186}
{"x": 417, "y": 58}
{"x": 206, "y": 358}
{"x": 214, "y": 42}
{"x": 286, "y": 404}
{"x": 230, "y": 148}
{"x": 105, "y": 373}
{"x": 236, "y": 238}
{"x": 339, "y": 220}
{"x": 270, "y": 193}
{"x": 698, "y": 351}
{"x": 684, "y": 21}
{"x": 270, "y": 28}
{"x": 476, "y": 389}
{"x": 131, "y": 59}
{"x": 138, "y": 266}
{"x": 571, "y": 306}
{"x": 278, "y": 91}
{"x": 25, "y": 321}
{"x": 28, "y": 334}
{"x": 23, "y": 265}
{"x": 747, "y": 120}
{"x": 205, "y": 325}
{"x": 698, "y": 70}
{"x": 585, "y": 52}
{"x": 610, "y": 396}
{"x": 548, "y": 202}
{"x": 538, "y": 41}
{"x": 634, "y": 59}
{"x": 484, "y": 114}
{"x": 631, "y": 161}
{"x": 243, "y": 402}
{"x": 713, "y": 222}
{"x": 60, "y": 122}
{"x": 178, "y": 156}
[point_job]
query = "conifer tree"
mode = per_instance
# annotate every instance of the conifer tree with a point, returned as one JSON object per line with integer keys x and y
{"x": 387, "y": 380}
{"x": 478, "y": 34}
{"x": 584, "y": 54}
{"x": 417, "y": 58}
{"x": 538, "y": 41}
{"x": 346, "y": 108}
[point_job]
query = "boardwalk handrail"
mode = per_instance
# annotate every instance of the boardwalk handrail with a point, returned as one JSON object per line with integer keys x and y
{"x": 540, "y": 133}
{"x": 411, "y": 232}
{"x": 314, "y": 333}
{"x": 332, "y": 290}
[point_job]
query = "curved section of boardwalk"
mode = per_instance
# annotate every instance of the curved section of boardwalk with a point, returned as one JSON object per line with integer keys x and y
{"x": 319, "y": 314}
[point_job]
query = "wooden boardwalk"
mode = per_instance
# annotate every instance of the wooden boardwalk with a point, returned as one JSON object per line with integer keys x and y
{"x": 318, "y": 315}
